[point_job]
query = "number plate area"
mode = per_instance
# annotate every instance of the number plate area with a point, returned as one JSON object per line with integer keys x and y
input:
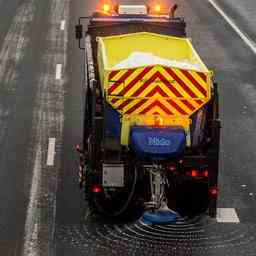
{"x": 113, "y": 175}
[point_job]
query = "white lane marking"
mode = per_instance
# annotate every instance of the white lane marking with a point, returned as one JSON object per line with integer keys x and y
{"x": 51, "y": 152}
{"x": 62, "y": 25}
{"x": 31, "y": 246}
{"x": 242, "y": 35}
{"x": 15, "y": 43}
{"x": 58, "y": 71}
{"x": 48, "y": 118}
{"x": 227, "y": 215}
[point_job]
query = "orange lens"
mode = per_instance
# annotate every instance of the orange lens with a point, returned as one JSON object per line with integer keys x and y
{"x": 158, "y": 121}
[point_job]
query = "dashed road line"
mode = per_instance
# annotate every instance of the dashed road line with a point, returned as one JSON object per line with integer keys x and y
{"x": 15, "y": 43}
{"x": 227, "y": 215}
{"x": 48, "y": 118}
{"x": 248, "y": 41}
{"x": 58, "y": 71}
{"x": 31, "y": 245}
{"x": 51, "y": 152}
{"x": 62, "y": 25}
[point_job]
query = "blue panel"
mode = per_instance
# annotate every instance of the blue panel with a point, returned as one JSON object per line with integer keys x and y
{"x": 157, "y": 143}
{"x": 112, "y": 122}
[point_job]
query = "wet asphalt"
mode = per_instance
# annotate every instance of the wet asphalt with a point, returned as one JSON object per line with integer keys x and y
{"x": 42, "y": 210}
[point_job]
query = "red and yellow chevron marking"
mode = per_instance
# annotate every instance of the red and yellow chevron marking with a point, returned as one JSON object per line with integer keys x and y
{"x": 157, "y": 90}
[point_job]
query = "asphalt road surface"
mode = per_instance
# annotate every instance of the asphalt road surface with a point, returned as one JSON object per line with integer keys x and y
{"x": 41, "y": 72}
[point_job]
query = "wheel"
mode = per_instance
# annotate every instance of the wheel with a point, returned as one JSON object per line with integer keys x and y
{"x": 187, "y": 196}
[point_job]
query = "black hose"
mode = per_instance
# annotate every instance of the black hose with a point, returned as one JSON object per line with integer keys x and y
{"x": 126, "y": 204}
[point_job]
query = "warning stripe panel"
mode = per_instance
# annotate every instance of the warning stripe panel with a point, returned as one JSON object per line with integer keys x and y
{"x": 203, "y": 76}
{"x": 137, "y": 79}
{"x": 114, "y": 100}
{"x": 156, "y": 110}
{"x": 136, "y": 106}
{"x": 163, "y": 80}
{"x": 186, "y": 80}
{"x": 158, "y": 104}
{"x": 116, "y": 77}
{"x": 124, "y": 104}
{"x": 130, "y": 106}
{"x": 195, "y": 82}
{"x": 144, "y": 86}
{"x": 113, "y": 74}
{"x": 183, "y": 90}
{"x": 177, "y": 107}
{"x": 188, "y": 104}
{"x": 157, "y": 75}
{"x": 199, "y": 102}
{"x": 157, "y": 89}
{"x": 181, "y": 83}
{"x": 118, "y": 91}
{"x": 120, "y": 81}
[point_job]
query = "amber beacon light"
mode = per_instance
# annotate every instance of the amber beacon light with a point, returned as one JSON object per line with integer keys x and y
{"x": 106, "y": 7}
{"x": 157, "y": 8}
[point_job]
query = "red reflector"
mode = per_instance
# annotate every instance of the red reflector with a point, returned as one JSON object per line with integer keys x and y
{"x": 214, "y": 191}
{"x": 194, "y": 173}
{"x": 78, "y": 149}
{"x": 96, "y": 189}
{"x": 206, "y": 173}
{"x": 172, "y": 168}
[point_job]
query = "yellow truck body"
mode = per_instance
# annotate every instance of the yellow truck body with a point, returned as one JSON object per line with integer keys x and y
{"x": 165, "y": 91}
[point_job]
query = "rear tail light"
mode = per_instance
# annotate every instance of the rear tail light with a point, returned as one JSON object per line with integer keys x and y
{"x": 194, "y": 173}
{"x": 206, "y": 173}
{"x": 214, "y": 191}
{"x": 96, "y": 189}
{"x": 198, "y": 173}
{"x": 172, "y": 168}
